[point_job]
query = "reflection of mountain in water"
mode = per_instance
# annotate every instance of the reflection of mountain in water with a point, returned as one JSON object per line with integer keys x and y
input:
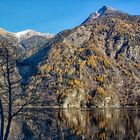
{"x": 77, "y": 125}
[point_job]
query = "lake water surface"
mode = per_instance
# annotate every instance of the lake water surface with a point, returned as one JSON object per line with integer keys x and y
{"x": 74, "y": 124}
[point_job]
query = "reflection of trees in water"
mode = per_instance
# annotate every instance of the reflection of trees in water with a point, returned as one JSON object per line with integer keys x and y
{"x": 80, "y": 124}
{"x": 91, "y": 124}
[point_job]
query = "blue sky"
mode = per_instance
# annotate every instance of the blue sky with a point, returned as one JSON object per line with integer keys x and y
{"x": 54, "y": 16}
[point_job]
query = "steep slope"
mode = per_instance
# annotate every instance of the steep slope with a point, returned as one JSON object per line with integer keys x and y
{"x": 95, "y": 64}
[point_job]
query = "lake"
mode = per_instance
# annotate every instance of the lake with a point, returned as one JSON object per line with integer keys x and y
{"x": 75, "y": 124}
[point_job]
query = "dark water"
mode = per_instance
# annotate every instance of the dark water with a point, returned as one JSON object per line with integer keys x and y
{"x": 97, "y": 124}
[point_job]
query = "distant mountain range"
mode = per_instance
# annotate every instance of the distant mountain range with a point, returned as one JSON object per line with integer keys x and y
{"x": 96, "y": 64}
{"x": 29, "y": 33}
{"x": 24, "y": 34}
{"x": 29, "y": 41}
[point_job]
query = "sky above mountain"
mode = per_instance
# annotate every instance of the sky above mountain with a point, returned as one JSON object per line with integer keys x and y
{"x": 54, "y": 16}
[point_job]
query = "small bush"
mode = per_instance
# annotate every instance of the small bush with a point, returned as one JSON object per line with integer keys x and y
{"x": 92, "y": 62}
{"x": 74, "y": 82}
{"x": 82, "y": 64}
{"x": 45, "y": 68}
{"x": 102, "y": 92}
{"x": 100, "y": 78}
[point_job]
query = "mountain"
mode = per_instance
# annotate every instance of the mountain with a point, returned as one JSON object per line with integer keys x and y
{"x": 28, "y": 41}
{"x": 96, "y": 64}
{"x": 101, "y": 12}
{"x": 31, "y": 41}
{"x": 23, "y": 35}
{"x": 29, "y": 33}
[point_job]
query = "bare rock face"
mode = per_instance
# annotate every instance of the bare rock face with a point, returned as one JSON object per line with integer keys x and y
{"x": 96, "y": 64}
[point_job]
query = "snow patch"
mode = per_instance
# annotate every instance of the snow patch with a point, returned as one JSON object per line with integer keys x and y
{"x": 101, "y": 12}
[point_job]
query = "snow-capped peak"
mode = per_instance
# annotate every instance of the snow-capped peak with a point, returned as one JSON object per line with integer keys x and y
{"x": 25, "y": 32}
{"x": 99, "y": 13}
{"x": 29, "y": 33}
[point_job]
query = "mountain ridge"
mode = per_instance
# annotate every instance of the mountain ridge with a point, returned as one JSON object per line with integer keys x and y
{"x": 21, "y": 35}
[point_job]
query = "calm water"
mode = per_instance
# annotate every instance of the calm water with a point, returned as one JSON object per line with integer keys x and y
{"x": 99, "y": 124}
